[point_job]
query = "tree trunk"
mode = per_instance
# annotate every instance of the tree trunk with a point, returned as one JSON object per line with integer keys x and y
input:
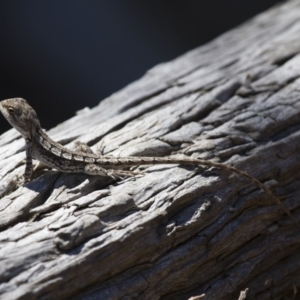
{"x": 176, "y": 232}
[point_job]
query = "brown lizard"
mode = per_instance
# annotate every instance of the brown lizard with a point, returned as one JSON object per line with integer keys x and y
{"x": 42, "y": 148}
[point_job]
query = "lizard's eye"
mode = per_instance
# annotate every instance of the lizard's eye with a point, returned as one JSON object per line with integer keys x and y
{"x": 14, "y": 110}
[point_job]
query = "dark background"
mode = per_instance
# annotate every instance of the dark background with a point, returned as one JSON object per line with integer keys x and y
{"x": 63, "y": 55}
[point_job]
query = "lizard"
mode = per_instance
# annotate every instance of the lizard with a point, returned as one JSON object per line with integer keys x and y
{"x": 41, "y": 147}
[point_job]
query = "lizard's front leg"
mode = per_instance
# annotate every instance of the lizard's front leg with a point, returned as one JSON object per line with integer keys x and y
{"x": 28, "y": 167}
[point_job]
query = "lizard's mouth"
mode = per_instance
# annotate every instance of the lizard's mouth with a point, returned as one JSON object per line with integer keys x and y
{"x": 1, "y": 107}
{"x": 4, "y": 112}
{"x": 10, "y": 118}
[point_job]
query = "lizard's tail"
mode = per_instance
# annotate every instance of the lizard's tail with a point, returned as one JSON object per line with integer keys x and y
{"x": 137, "y": 161}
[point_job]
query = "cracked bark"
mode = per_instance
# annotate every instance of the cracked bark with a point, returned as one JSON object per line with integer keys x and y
{"x": 177, "y": 232}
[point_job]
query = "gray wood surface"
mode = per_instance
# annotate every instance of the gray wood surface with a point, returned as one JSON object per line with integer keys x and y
{"x": 176, "y": 232}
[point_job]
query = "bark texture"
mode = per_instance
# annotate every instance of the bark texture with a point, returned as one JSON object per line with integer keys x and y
{"x": 176, "y": 232}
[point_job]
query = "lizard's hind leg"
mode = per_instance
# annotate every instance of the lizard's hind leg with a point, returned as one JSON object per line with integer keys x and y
{"x": 82, "y": 147}
{"x": 92, "y": 169}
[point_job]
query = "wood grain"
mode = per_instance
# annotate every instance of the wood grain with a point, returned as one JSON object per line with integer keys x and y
{"x": 176, "y": 232}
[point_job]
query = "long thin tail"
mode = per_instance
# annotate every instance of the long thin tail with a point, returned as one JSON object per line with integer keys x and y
{"x": 135, "y": 160}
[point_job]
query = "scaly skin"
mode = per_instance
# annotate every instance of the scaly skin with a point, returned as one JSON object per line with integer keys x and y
{"x": 41, "y": 147}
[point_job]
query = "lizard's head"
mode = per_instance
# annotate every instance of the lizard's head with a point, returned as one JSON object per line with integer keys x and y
{"x": 20, "y": 115}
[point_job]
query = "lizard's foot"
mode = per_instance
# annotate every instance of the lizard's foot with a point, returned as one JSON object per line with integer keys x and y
{"x": 25, "y": 180}
{"x": 17, "y": 181}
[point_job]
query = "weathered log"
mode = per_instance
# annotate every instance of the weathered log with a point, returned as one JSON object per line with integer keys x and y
{"x": 176, "y": 232}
